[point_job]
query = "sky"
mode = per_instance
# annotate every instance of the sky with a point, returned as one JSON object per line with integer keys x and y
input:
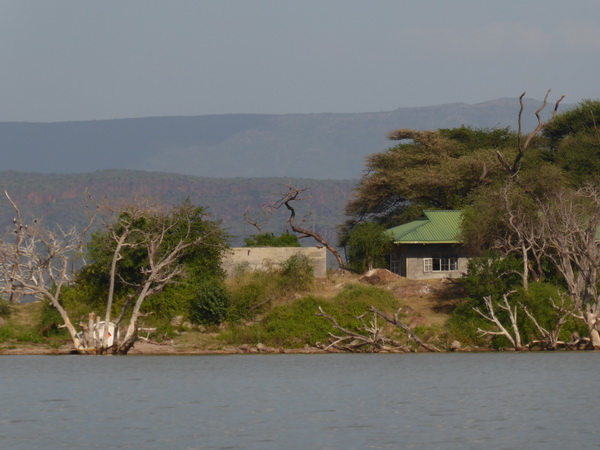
{"x": 65, "y": 60}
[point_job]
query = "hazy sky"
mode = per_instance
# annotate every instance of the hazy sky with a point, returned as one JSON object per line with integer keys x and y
{"x": 80, "y": 60}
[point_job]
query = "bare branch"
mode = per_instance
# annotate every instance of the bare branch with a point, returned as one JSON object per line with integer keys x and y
{"x": 514, "y": 337}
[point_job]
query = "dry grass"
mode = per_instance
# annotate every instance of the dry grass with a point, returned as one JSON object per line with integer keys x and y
{"x": 428, "y": 302}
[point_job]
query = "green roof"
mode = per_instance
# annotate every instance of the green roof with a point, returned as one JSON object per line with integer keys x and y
{"x": 438, "y": 227}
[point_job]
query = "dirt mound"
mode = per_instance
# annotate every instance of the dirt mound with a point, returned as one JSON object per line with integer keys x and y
{"x": 379, "y": 276}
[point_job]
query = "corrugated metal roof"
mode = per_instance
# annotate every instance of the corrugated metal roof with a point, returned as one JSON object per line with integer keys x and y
{"x": 439, "y": 227}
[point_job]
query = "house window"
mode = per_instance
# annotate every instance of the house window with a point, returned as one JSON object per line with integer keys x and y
{"x": 427, "y": 265}
{"x": 394, "y": 263}
{"x": 440, "y": 264}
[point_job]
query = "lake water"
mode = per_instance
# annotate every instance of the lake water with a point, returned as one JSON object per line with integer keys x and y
{"x": 408, "y": 401}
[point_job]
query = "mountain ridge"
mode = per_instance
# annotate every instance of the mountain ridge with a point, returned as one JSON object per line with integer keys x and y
{"x": 315, "y": 146}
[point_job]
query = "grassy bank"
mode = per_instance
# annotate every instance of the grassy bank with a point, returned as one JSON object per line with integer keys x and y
{"x": 271, "y": 312}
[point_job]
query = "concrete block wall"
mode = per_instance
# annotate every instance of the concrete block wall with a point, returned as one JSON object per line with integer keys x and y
{"x": 264, "y": 258}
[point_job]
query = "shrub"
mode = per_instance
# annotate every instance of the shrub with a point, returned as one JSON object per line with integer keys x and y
{"x": 249, "y": 291}
{"x": 270, "y": 240}
{"x": 5, "y": 309}
{"x": 50, "y": 322}
{"x": 297, "y": 273}
{"x": 366, "y": 245}
{"x": 296, "y": 324}
{"x": 210, "y": 305}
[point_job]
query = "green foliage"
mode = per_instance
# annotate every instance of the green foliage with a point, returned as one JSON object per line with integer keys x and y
{"x": 5, "y": 309}
{"x": 574, "y": 143}
{"x": 538, "y": 300}
{"x": 210, "y": 305}
{"x": 489, "y": 275}
{"x": 492, "y": 275}
{"x": 296, "y": 324}
{"x": 50, "y": 322}
{"x": 435, "y": 169}
{"x": 297, "y": 273}
{"x": 584, "y": 119}
{"x": 199, "y": 263}
{"x": 249, "y": 290}
{"x": 366, "y": 246}
{"x": 270, "y": 240}
{"x": 474, "y": 139}
{"x": 485, "y": 219}
{"x": 465, "y": 321}
{"x": 19, "y": 333}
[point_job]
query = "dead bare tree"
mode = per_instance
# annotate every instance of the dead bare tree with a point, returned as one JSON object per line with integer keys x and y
{"x": 147, "y": 229}
{"x": 38, "y": 263}
{"x": 394, "y": 320}
{"x": 286, "y": 200}
{"x": 258, "y": 220}
{"x": 512, "y": 334}
{"x": 371, "y": 335}
{"x": 523, "y": 143}
{"x": 162, "y": 268}
{"x": 550, "y": 338}
{"x": 523, "y": 235}
{"x": 570, "y": 222}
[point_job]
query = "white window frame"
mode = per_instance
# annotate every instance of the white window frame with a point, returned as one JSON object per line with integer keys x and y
{"x": 427, "y": 265}
{"x": 443, "y": 262}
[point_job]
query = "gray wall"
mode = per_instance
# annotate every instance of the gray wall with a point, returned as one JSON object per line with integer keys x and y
{"x": 414, "y": 255}
{"x": 264, "y": 258}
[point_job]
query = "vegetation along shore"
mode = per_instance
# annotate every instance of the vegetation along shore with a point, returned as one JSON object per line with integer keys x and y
{"x": 519, "y": 270}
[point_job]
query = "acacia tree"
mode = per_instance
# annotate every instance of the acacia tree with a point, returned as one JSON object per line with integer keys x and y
{"x": 426, "y": 170}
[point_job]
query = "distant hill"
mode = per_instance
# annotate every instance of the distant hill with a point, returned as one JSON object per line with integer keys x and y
{"x": 58, "y": 199}
{"x": 315, "y": 146}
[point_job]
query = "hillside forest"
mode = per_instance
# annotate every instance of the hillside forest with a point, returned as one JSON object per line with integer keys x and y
{"x": 531, "y": 203}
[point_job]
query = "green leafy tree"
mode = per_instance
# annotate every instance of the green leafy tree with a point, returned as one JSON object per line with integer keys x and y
{"x": 432, "y": 169}
{"x": 574, "y": 143}
{"x": 366, "y": 246}
{"x": 270, "y": 240}
{"x": 151, "y": 261}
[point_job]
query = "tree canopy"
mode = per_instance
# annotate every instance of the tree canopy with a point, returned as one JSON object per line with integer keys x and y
{"x": 199, "y": 262}
{"x": 427, "y": 170}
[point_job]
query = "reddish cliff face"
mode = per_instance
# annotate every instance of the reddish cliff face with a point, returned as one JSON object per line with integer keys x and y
{"x": 60, "y": 198}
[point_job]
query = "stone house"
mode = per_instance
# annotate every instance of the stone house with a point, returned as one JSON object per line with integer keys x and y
{"x": 430, "y": 247}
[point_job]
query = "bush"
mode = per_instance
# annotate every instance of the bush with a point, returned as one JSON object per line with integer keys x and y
{"x": 249, "y": 290}
{"x": 270, "y": 240}
{"x": 537, "y": 300}
{"x": 492, "y": 275}
{"x": 297, "y": 273}
{"x": 464, "y": 322}
{"x": 50, "y": 322}
{"x": 211, "y": 304}
{"x": 367, "y": 244}
{"x": 5, "y": 309}
{"x": 297, "y": 324}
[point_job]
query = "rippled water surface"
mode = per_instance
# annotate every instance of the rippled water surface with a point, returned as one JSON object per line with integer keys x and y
{"x": 421, "y": 401}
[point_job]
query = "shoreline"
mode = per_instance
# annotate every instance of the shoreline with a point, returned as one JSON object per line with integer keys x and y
{"x": 152, "y": 349}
